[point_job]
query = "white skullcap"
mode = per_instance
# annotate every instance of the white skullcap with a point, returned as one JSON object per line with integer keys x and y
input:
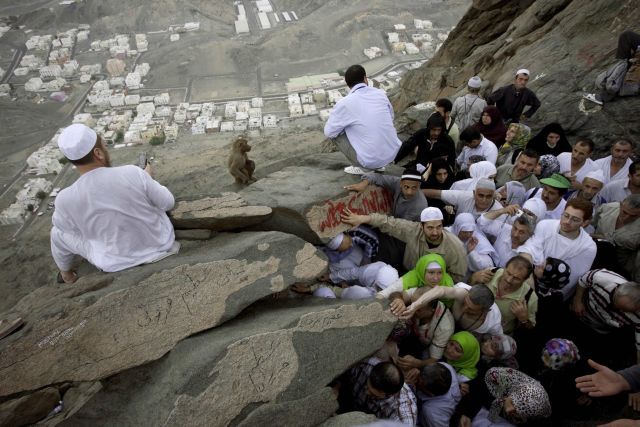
{"x": 485, "y": 183}
{"x": 434, "y": 266}
{"x": 76, "y": 141}
{"x": 386, "y": 276}
{"x": 597, "y": 175}
{"x": 431, "y": 214}
{"x": 335, "y": 242}
{"x": 358, "y": 292}
{"x": 474, "y": 82}
{"x": 323, "y": 292}
{"x": 522, "y": 71}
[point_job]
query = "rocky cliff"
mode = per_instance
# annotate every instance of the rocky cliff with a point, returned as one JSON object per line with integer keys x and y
{"x": 564, "y": 43}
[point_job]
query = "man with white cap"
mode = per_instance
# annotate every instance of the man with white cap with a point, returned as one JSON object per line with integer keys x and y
{"x": 512, "y": 99}
{"x": 114, "y": 217}
{"x": 592, "y": 183}
{"x": 475, "y": 202}
{"x": 467, "y": 109}
{"x": 422, "y": 238}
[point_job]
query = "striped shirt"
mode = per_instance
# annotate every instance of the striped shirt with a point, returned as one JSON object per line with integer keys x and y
{"x": 402, "y": 406}
{"x": 601, "y": 286}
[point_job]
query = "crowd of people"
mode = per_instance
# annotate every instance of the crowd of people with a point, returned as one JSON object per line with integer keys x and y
{"x": 509, "y": 258}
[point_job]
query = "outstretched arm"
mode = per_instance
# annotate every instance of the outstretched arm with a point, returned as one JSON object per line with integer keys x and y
{"x": 605, "y": 382}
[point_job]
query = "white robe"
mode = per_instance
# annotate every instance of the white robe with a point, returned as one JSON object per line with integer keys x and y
{"x": 605, "y": 165}
{"x": 565, "y": 166}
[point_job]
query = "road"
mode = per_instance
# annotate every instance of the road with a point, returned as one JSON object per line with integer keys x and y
{"x": 17, "y": 57}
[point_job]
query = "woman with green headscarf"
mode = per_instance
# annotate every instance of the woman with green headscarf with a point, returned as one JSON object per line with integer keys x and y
{"x": 430, "y": 271}
{"x": 463, "y": 353}
{"x": 517, "y": 138}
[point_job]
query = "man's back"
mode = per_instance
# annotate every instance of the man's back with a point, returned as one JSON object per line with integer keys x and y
{"x": 366, "y": 116}
{"x": 113, "y": 217}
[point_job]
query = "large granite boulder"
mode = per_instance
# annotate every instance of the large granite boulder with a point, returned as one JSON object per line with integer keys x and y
{"x": 106, "y": 323}
{"x": 307, "y": 195}
{"x": 564, "y": 44}
{"x": 227, "y": 212}
{"x": 268, "y": 366}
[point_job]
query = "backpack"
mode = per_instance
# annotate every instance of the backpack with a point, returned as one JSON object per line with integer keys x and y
{"x": 612, "y": 79}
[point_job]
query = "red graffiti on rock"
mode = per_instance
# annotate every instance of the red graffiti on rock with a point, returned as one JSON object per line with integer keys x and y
{"x": 376, "y": 201}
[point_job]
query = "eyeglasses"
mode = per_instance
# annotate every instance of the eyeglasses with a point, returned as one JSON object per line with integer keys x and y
{"x": 573, "y": 219}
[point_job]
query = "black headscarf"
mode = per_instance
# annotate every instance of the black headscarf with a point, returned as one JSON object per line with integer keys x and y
{"x": 539, "y": 142}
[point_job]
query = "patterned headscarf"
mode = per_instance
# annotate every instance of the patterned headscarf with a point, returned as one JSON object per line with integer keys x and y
{"x": 558, "y": 353}
{"x": 415, "y": 278}
{"x": 516, "y": 193}
{"x": 519, "y": 141}
{"x": 549, "y": 165}
{"x": 466, "y": 365}
{"x": 554, "y": 277}
{"x": 528, "y": 396}
{"x": 504, "y": 345}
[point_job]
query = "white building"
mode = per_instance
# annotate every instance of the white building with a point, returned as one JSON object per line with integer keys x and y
{"x": 372, "y": 52}
{"x": 70, "y": 68}
{"x": 82, "y": 35}
{"x": 142, "y": 69}
{"x": 141, "y": 42}
{"x": 197, "y": 129}
{"x": 286, "y": 17}
{"x": 21, "y": 71}
{"x": 101, "y": 85}
{"x": 333, "y": 96}
{"x": 264, "y": 20}
{"x": 174, "y": 37}
{"x": 132, "y": 99}
{"x": 33, "y": 84}
{"x": 116, "y": 100}
{"x": 133, "y": 80}
{"x": 116, "y": 82}
{"x": 324, "y": 114}
{"x": 49, "y": 71}
{"x": 240, "y": 126}
{"x": 243, "y": 106}
{"x": 208, "y": 108}
{"x": 257, "y": 102}
{"x": 306, "y": 98}
{"x": 85, "y": 119}
{"x": 393, "y": 37}
{"x": 241, "y": 115}
{"x": 226, "y": 127}
{"x": 411, "y": 48}
{"x": 309, "y": 109}
{"x": 295, "y": 110}
{"x": 45, "y": 160}
{"x": 230, "y": 110}
{"x": 15, "y": 214}
{"x": 171, "y": 132}
{"x": 269, "y": 121}
{"x": 163, "y": 111}
{"x": 255, "y": 122}
{"x": 213, "y": 124}
{"x": 264, "y": 6}
{"x": 255, "y": 112}
{"x": 319, "y": 95}
{"x": 192, "y": 26}
{"x": 399, "y": 27}
{"x": 241, "y": 24}
{"x": 162, "y": 99}
{"x": 145, "y": 108}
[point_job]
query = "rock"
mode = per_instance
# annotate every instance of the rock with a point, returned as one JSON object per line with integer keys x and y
{"x": 273, "y": 355}
{"x": 30, "y": 408}
{"x": 291, "y": 193}
{"x": 197, "y": 234}
{"x": 228, "y": 212}
{"x": 106, "y": 323}
{"x": 564, "y": 45}
{"x": 74, "y": 399}
{"x": 349, "y": 419}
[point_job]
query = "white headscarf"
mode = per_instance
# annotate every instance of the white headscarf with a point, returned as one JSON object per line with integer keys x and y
{"x": 466, "y": 222}
{"x": 537, "y": 207}
{"x": 477, "y": 171}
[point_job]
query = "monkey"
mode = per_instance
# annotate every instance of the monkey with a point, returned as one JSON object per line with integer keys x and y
{"x": 240, "y": 167}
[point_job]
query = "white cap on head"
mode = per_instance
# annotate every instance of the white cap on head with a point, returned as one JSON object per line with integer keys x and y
{"x": 474, "y": 82}
{"x": 485, "y": 183}
{"x": 597, "y": 175}
{"x": 335, "y": 242}
{"x": 434, "y": 266}
{"x": 76, "y": 141}
{"x": 522, "y": 71}
{"x": 386, "y": 276}
{"x": 431, "y": 214}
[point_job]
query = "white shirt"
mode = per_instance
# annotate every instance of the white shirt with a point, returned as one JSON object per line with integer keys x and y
{"x": 615, "y": 191}
{"x": 113, "y": 217}
{"x": 579, "y": 253}
{"x": 605, "y": 165}
{"x": 555, "y": 213}
{"x": 565, "y": 166}
{"x": 486, "y": 148}
{"x": 463, "y": 201}
{"x": 366, "y": 116}
{"x": 501, "y": 230}
{"x": 436, "y": 411}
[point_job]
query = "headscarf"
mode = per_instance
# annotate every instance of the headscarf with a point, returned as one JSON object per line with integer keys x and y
{"x": 432, "y": 182}
{"x": 539, "y": 142}
{"x": 516, "y": 193}
{"x": 477, "y": 171}
{"x": 537, "y": 207}
{"x": 558, "y": 353}
{"x": 466, "y": 222}
{"x": 466, "y": 365}
{"x": 415, "y": 278}
{"x": 496, "y": 131}
{"x": 519, "y": 141}
{"x": 554, "y": 277}
{"x": 549, "y": 165}
{"x": 528, "y": 396}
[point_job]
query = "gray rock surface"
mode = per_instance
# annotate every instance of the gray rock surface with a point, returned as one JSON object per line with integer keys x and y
{"x": 300, "y": 185}
{"x": 349, "y": 419}
{"x": 224, "y": 213}
{"x": 106, "y": 323}
{"x": 564, "y": 43}
{"x": 277, "y": 352}
{"x": 30, "y": 408}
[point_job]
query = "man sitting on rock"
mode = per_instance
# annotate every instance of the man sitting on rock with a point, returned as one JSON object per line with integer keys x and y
{"x": 361, "y": 125}
{"x": 475, "y": 145}
{"x": 432, "y": 142}
{"x": 113, "y": 217}
{"x": 378, "y": 388}
{"x": 422, "y": 238}
{"x": 512, "y": 99}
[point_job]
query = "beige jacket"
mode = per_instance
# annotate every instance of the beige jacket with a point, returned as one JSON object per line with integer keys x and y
{"x": 451, "y": 248}
{"x": 626, "y": 239}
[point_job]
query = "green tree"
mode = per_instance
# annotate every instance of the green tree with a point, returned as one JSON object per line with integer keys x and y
{"x": 157, "y": 140}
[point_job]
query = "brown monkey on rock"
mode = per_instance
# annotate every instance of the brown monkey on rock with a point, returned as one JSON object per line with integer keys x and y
{"x": 240, "y": 167}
